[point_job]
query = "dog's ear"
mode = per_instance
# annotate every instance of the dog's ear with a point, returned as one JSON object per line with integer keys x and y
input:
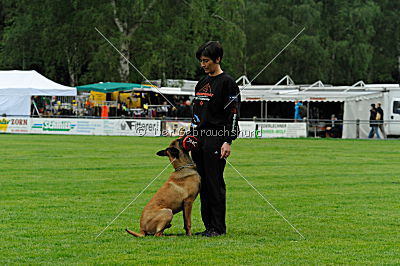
{"x": 174, "y": 152}
{"x": 162, "y": 153}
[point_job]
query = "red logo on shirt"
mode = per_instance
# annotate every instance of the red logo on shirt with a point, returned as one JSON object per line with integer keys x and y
{"x": 205, "y": 91}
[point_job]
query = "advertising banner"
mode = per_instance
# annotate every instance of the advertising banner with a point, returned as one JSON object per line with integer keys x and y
{"x": 53, "y": 126}
{"x": 247, "y": 129}
{"x": 281, "y": 130}
{"x": 14, "y": 125}
{"x": 135, "y": 127}
{"x": 90, "y": 127}
{"x": 175, "y": 128}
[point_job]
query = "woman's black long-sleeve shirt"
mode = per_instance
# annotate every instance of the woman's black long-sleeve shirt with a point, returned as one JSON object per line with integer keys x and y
{"x": 216, "y": 107}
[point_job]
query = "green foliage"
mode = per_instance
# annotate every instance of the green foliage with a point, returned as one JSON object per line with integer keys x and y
{"x": 351, "y": 41}
{"x": 59, "y": 192}
{"x": 344, "y": 41}
{"x": 387, "y": 43}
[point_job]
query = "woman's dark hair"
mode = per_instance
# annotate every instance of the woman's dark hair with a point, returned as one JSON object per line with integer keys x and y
{"x": 211, "y": 49}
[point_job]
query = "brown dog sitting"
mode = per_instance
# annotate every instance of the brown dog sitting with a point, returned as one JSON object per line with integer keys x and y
{"x": 177, "y": 194}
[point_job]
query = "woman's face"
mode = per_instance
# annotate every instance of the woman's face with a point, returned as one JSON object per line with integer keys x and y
{"x": 208, "y": 64}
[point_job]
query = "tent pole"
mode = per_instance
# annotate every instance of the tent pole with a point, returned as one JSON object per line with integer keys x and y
{"x": 308, "y": 116}
{"x": 262, "y": 111}
{"x": 37, "y": 110}
{"x": 266, "y": 111}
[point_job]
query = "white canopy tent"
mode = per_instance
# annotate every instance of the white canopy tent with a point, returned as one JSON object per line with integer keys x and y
{"x": 356, "y": 98}
{"x": 175, "y": 87}
{"x": 335, "y": 94}
{"x": 316, "y": 92}
{"x": 17, "y": 87}
{"x": 173, "y": 91}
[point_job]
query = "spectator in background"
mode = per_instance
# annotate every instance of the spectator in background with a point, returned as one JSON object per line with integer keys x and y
{"x": 379, "y": 119}
{"x": 164, "y": 108}
{"x": 187, "y": 109}
{"x": 332, "y": 130}
{"x": 181, "y": 108}
{"x": 372, "y": 123}
{"x": 88, "y": 107}
{"x": 297, "y": 110}
{"x": 174, "y": 112}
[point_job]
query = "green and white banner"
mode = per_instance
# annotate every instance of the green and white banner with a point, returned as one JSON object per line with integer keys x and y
{"x": 281, "y": 130}
{"x": 137, "y": 127}
{"x": 120, "y": 127}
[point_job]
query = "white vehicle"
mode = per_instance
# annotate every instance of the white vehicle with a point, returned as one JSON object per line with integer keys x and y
{"x": 392, "y": 112}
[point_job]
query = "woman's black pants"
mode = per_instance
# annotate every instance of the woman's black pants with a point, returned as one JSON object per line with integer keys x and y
{"x": 213, "y": 191}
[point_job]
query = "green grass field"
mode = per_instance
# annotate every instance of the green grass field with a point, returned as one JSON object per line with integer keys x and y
{"x": 58, "y": 192}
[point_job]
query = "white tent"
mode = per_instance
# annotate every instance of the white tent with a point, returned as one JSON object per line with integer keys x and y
{"x": 316, "y": 92}
{"x": 356, "y": 98}
{"x": 173, "y": 91}
{"x": 17, "y": 87}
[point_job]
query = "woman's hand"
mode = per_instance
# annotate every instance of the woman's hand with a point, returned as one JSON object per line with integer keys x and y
{"x": 225, "y": 150}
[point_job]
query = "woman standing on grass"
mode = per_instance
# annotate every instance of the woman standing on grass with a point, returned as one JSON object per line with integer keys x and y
{"x": 215, "y": 123}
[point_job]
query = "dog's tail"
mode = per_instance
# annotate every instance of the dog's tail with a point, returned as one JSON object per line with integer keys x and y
{"x": 141, "y": 234}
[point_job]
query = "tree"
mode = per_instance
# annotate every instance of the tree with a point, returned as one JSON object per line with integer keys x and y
{"x": 305, "y": 59}
{"x": 386, "y": 58}
{"x": 49, "y": 38}
{"x": 349, "y": 32}
{"x": 128, "y": 18}
{"x": 344, "y": 41}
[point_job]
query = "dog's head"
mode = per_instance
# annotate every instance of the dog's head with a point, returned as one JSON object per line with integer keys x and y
{"x": 174, "y": 150}
{"x": 180, "y": 148}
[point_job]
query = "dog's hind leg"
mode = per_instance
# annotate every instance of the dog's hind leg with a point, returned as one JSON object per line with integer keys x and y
{"x": 163, "y": 219}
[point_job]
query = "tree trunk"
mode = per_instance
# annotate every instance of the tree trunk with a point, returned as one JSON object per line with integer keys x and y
{"x": 71, "y": 71}
{"x": 127, "y": 32}
{"x": 124, "y": 62}
{"x": 72, "y": 76}
{"x": 72, "y": 65}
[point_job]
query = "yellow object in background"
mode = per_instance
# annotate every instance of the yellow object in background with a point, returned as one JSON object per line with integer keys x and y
{"x": 135, "y": 103}
{"x": 114, "y": 96}
{"x": 4, "y": 124}
{"x": 97, "y": 98}
{"x": 131, "y": 102}
{"x": 123, "y": 97}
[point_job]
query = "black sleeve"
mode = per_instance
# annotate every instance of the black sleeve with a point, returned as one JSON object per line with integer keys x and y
{"x": 232, "y": 104}
{"x": 193, "y": 121}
